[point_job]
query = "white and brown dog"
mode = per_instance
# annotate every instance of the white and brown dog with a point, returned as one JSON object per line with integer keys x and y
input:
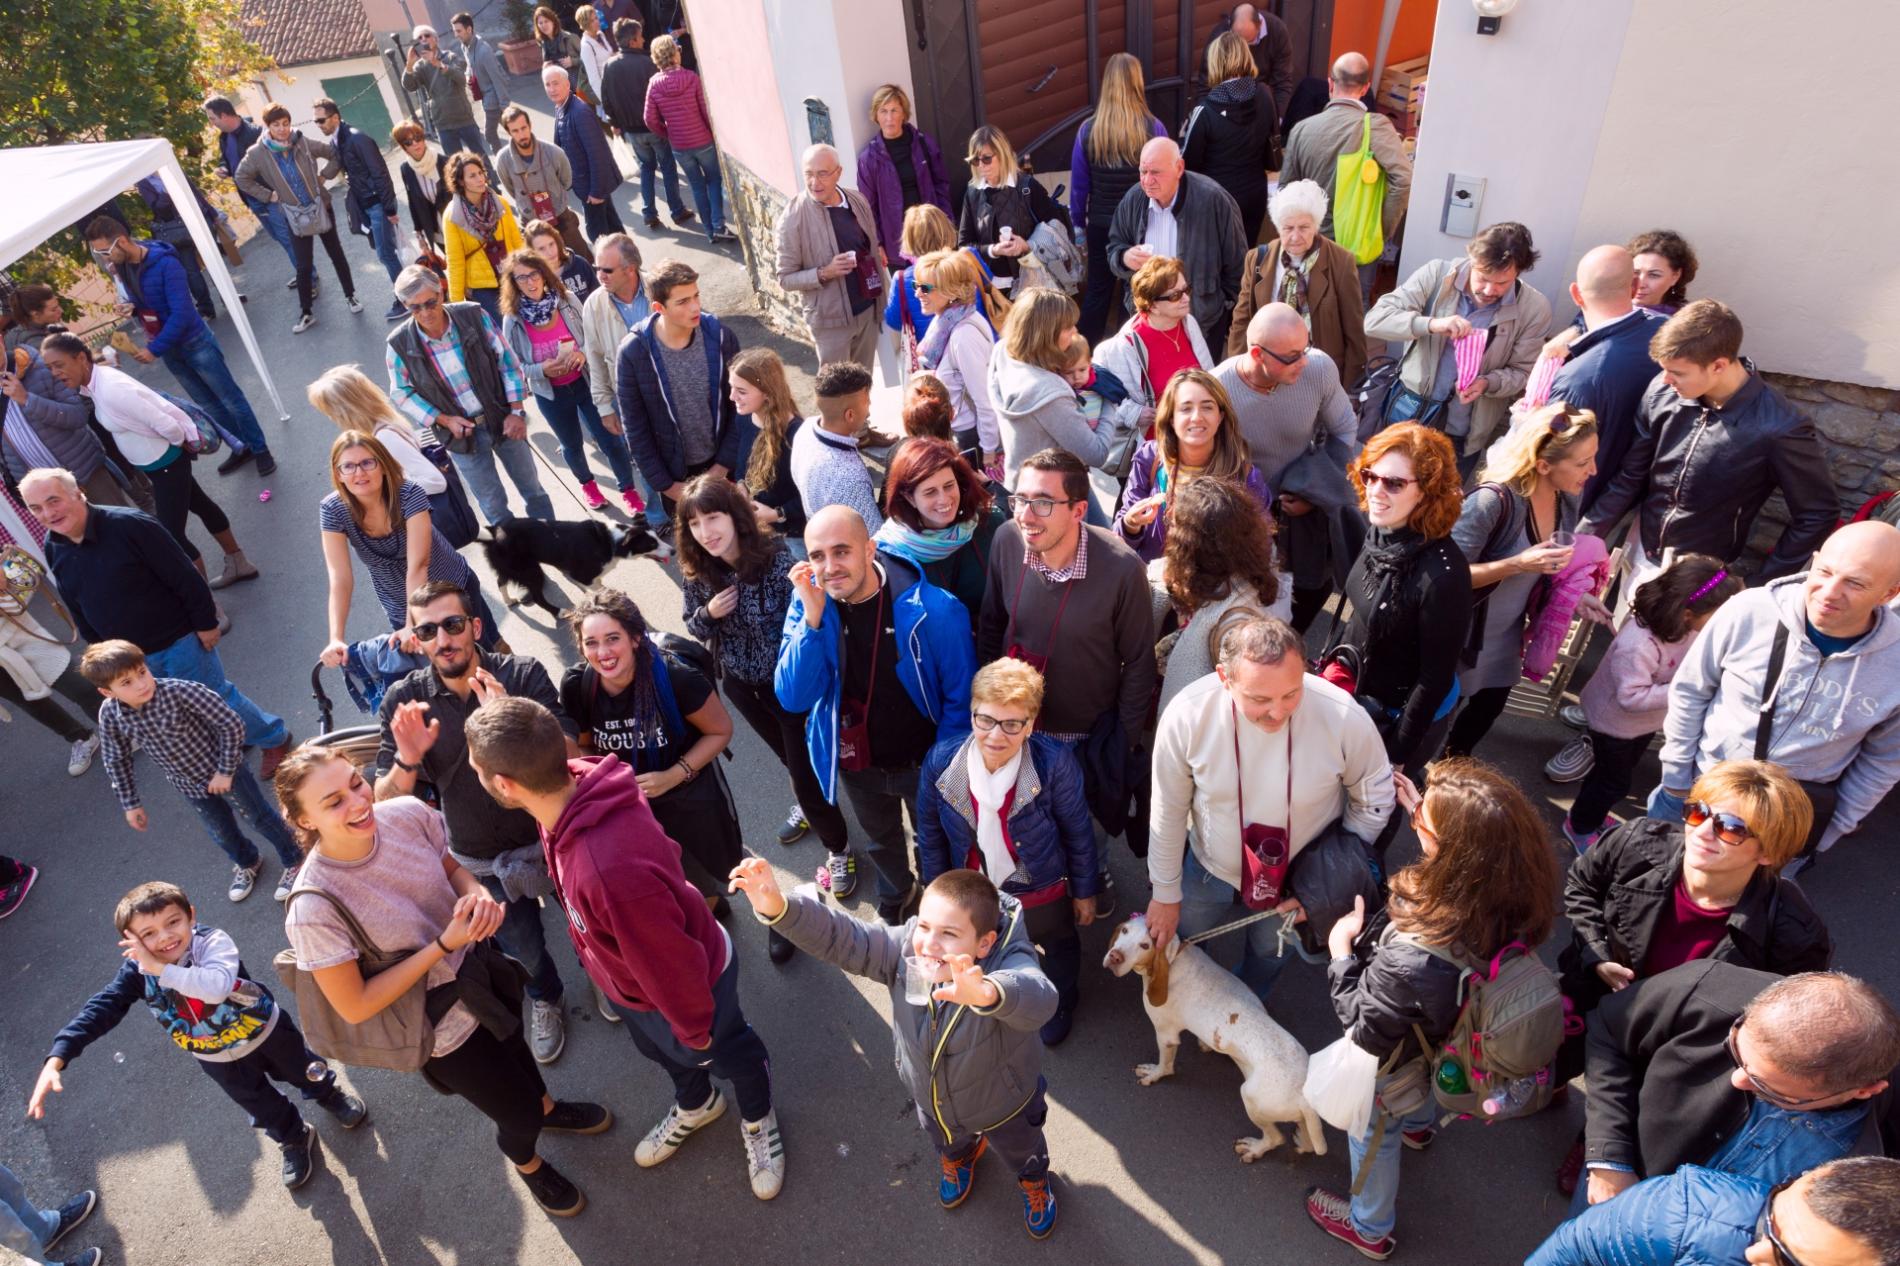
{"x": 1184, "y": 989}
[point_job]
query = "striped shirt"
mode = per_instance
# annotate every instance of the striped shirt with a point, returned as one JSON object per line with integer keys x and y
{"x": 192, "y": 733}
{"x": 446, "y": 352}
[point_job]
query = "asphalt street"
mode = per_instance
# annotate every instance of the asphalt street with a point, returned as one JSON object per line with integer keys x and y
{"x": 1143, "y": 1174}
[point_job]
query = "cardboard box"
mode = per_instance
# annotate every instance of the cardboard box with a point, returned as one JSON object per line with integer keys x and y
{"x": 1405, "y": 121}
{"x": 1402, "y": 86}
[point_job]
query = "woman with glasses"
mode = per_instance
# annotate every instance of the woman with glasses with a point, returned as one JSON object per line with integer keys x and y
{"x": 1314, "y": 275}
{"x": 956, "y": 348}
{"x": 1517, "y": 530}
{"x": 940, "y": 517}
{"x": 1002, "y": 205}
{"x": 479, "y": 232}
{"x": 1196, "y": 436}
{"x": 542, "y": 323}
{"x": 1009, "y": 802}
{"x": 425, "y": 182}
{"x": 926, "y": 230}
{"x": 1486, "y": 879}
{"x": 1158, "y": 342}
{"x": 1410, "y": 593}
{"x": 384, "y": 518}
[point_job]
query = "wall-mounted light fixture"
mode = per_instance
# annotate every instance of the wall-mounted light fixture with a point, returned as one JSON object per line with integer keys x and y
{"x": 1491, "y": 14}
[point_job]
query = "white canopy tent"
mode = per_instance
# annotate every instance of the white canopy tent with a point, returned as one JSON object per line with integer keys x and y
{"x": 56, "y": 185}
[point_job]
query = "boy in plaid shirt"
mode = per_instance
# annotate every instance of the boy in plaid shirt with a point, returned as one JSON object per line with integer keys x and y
{"x": 198, "y": 740}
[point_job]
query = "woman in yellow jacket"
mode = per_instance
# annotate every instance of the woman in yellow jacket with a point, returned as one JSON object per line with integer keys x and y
{"x": 478, "y": 232}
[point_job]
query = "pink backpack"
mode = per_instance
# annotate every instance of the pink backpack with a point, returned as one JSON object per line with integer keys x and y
{"x": 1588, "y": 572}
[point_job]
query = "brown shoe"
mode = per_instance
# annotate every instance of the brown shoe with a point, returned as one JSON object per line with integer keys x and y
{"x": 274, "y": 756}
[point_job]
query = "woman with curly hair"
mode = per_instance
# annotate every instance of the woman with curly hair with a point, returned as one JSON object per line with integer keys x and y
{"x": 1196, "y": 436}
{"x": 761, "y": 391}
{"x": 1219, "y": 567}
{"x": 1410, "y": 591}
{"x": 939, "y": 517}
{"x": 1665, "y": 265}
{"x": 1487, "y": 878}
{"x": 479, "y": 231}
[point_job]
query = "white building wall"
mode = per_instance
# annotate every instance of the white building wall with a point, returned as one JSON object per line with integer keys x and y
{"x": 298, "y": 86}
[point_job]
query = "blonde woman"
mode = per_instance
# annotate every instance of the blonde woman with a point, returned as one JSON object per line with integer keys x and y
{"x": 926, "y": 229}
{"x": 597, "y": 47}
{"x": 1002, "y": 205}
{"x": 899, "y": 170}
{"x": 348, "y": 397}
{"x": 1229, "y": 137}
{"x": 1103, "y": 166}
{"x": 957, "y": 347}
{"x": 1035, "y": 406}
{"x": 761, "y": 392}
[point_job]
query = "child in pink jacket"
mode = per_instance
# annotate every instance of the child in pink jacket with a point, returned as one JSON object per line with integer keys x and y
{"x": 1625, "y": 702}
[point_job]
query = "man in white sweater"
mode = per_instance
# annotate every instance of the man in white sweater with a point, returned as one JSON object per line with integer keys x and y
{"x": 1229, "y": 738}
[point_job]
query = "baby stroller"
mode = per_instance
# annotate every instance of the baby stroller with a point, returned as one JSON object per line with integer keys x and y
{"x": 374, "y": 665}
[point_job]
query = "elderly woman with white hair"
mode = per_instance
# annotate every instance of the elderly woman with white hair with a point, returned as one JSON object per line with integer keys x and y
{"x": 828, "y": 256}
{"x": 1314, "y": 275}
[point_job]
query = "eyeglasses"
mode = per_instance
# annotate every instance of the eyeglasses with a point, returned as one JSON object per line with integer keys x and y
{"x": 1288, "y": 361}
{"x": 103, "y": 256}
{"x": 427, "y": 305}
{"x": 522, "y": 279}
{"x": 984, "y": 723}
{"x": 452, "y": 625}
{"x": 1393, "y": 484}
{"x": 1730, "y": 828}
{"x": 1772, "y": 1233}
{"x": 363, "y": 467}
{"x": 925, "y": 288}
{"x": 1766, "y": 1093}
{"x": 1174, "y": 295}
{"x": 1041, "y": 507}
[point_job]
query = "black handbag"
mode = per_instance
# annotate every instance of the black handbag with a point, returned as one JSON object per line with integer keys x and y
{"x": 449, "y": 509}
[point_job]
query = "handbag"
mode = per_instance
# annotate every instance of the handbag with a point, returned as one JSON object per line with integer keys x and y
{"x": 22, "y": 576}
{"x": 428, "y": 256}
{"x": 400, "y": 1037}
{"x": 1406, "y": 405}
{"x": 1359, "y": 200}
{"x": 305, "y": 218}
{"x": 209, "y": 439}
{"x": 449, "y": 509}
{"x": 1265, "y": 851}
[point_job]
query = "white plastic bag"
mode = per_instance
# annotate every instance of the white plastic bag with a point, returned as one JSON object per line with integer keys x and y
{"x": 1339, "y": 1085}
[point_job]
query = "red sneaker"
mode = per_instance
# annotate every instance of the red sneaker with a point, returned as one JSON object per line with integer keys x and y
{"x": 1571, "y": 1171}
{"x": 1332, "y": 1214}
{"x": 636, "y": 504}
{"x": 590, "y": 492}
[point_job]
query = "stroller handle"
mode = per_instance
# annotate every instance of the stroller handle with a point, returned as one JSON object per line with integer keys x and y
{"x": 326, "y": 712}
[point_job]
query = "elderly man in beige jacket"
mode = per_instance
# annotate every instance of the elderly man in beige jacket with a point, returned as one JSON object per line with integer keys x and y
{"x": 828, "y": 256}
{"x": 619, "y": 304}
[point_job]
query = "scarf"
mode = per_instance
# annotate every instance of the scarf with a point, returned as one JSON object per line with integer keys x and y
{"x": 536, "y": 312}
{"x": 931, "y": 545}
{"x": 989, "y": 791}
{"x": 1294, "y": 283}
{"x": 481, "y": 221}
{"x": 274, "y": 146}
{"x": 1389, "y": 555}
{"x": 426, "y": 168}
{"x": 936, "y": 340}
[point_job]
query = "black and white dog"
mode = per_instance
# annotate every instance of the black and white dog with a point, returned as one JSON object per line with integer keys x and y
{"x": 519, "y": 550}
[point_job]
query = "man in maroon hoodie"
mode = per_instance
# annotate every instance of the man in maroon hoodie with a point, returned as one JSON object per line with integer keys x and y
{"x": 642, "y": 932}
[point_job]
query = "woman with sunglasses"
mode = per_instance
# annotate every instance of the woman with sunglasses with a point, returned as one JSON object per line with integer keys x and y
{"x": 1196, "y": 436}
{"x": 956, "y": 348}
{"x": 1410, "y": 593}
{"x": 1486, "y": 879}
{"x": 1159, "y": 341}
{"x": 384, "y": 518}
{"x": 1002, "y": 205}
{"x": 1516, "y": 530}
{"x": 1009, "y": 802}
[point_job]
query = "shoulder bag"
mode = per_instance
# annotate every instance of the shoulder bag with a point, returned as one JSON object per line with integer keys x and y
{"x": 400, "y": 1037}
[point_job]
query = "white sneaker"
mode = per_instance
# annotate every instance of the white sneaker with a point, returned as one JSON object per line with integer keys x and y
{"x": 665, "y": 1138}
{"x": 304, "y": 322}
{"x": 355, "y": 304}
{"x": 764, "y": 1155}
{"x": 80, "y": 760}
{"x": 243, "y": 879}
{"x": 604, "y": 1006}
{"x": 285, "y": 883}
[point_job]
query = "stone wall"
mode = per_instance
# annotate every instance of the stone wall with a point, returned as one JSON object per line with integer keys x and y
{"x": 752, "y": 211}
{"x": 1860, "y": 427}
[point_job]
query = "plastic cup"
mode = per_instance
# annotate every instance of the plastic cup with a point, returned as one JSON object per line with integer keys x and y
{"x": 1563, "y": 540}
{"x": 920, "y": 978}
{"x": 851, "y": 257}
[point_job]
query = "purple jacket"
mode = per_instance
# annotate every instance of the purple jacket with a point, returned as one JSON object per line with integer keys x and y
{"x": 676, "y": 110}
{"x": 878, "y": 182}
{"x": 1152, "y": 540}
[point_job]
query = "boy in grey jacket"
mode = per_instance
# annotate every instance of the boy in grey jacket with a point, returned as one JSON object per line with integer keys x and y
{"x": 971, "y": 1051}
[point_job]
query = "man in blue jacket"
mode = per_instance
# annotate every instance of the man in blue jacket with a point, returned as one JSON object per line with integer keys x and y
{"x": 155, "y": 284}
{"x": 1609, "y": 366}
{"x": 880, "y": 660}
{"x": 1846, "y": 1213}
{"x": 670, "y": 383}
{"x": 236, "y": 135}
{"x": 372, "y": 192}
{"x": 578, "y": 132}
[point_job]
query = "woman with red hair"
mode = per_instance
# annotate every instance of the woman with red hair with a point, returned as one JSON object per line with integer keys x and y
{"x": 940, "y": 517}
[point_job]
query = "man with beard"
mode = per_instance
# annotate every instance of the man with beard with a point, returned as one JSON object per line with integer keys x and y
{"x": 423, "y": 716}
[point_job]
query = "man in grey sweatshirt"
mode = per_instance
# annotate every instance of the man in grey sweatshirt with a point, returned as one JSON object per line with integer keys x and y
{"x": 1805, "y": 672}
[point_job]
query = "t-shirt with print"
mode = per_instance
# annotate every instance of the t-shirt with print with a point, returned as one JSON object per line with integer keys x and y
{"x": 399, "y": 893}
{"x": 615, "y": 730}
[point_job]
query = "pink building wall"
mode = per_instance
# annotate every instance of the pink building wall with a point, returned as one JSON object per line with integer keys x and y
{"x": 735, "y": 60}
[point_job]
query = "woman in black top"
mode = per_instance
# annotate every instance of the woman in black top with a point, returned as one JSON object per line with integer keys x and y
{"x": 576, "y": 270}
{"x": 738, "y": 587}
{"x": 1410, "y": 591}
{"x": 425, "y": 180}
{"x": 1002, "y": 205}
{"x": 761, "y": 392}
{"x": 662, "y": 716}
{"x": 1103, "y": 165}
{"x": 1229, "y": 137}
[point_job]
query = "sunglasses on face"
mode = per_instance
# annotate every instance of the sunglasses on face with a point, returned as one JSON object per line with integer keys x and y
{"x": 982, "y": 160}
{"x": 363, "y": 467}
{"x": 452, "y": 625}
{"x": 1393, "y": 484}
{"x": 1761, "y": 1091}
{"x": 427, "y": 305}
{"x": 925, "y": 288}
{"x": 1767, "y": 1229}
{"x": 1041, "y": 507}
{"x": 1174, "y": 295}
{"x": 1729, "y": 827}
{"x": 984, "y": 723}
{"x": 1288, "y": 361}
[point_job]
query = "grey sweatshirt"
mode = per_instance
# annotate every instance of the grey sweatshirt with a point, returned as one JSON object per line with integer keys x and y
{"x": 1036, "y": 409}
{"x": 1837, "y": 717}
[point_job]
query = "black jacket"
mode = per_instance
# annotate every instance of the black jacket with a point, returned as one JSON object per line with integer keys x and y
{"x": 1411, "y": 651}
{"x": 1624, "y": 885}
{"x": 1384, "y": 987}
{"x": 1658, "y": 1068}
{"x": 426, "y": 213}
{"x": 1698, "y": 476}
{"x": 126, "y": 577}
{"x": 1022, "y": 206}
{"x": 1229, "y": 139}
{"x": 623, "y": 89}
{"x": 1212, "y": 243}
{"x": 363, "y": 163}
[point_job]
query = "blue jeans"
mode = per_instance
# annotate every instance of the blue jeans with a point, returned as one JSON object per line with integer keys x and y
{"x": 655, "y": 156}
{"x": 1374, "y": 1209}
{"x": 523, "y": 939}
{"x": 737, "y": 1053}
{"x": 702, "y": 173}
{"x": 188, "y": 658}
{"x": 484, "y": 481}
{"x": 248, "y": 797}
{"x": 1207, "y": 902}
{"x": 24, "y": 1226}
{"x": 467, "y": 137}
{"x": 199, "y": 366}
{"x": 489, "y": 297}
{"x": 571, "y": 405}
{"x": 383, "y": 234}
{"x": 271, "y": 216}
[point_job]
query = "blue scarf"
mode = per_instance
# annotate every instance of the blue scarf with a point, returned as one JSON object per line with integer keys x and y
{"x": 932, "y": 545}
{"x": 536, "y": 312}
{"x": 936, "y": 339}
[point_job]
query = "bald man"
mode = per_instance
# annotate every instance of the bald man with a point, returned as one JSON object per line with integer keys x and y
{"x": 880, "y": 661}
{"x": 828, "y": 256}
{"x": 578, "y": 131}
{"x": 1272, "y": 46}
{"x": 1608, "y": 366}
{"x": 1314, "y": 145}
{"x": 1805, "y": 672}
{"x": 1184, "y": 215}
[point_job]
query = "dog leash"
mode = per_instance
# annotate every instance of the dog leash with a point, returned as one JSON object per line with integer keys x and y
{"x": 1286, "y": 927}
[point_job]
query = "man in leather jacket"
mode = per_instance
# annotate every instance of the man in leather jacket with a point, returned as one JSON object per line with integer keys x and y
{"x": 1713, "y": 440}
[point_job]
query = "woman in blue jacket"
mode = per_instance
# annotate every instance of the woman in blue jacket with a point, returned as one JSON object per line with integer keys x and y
{"x": 1008, "y": 802}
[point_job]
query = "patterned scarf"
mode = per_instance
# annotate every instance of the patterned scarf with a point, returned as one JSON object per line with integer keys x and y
{"x": 936, "y": 339}
{"x": 928, "y": 546}
{"x": 1293, "y": 281}
{"x": 536, "y": 312}
{"x": 481, "y": 220}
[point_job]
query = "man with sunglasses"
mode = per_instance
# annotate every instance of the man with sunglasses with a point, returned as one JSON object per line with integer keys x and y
{"x": 1846, "y": 1213}
{"x": 423, "y": 717}
{"x": 1741, "y": 1071}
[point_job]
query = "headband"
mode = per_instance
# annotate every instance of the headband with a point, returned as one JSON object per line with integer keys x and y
{"x": 1713, "y": 581}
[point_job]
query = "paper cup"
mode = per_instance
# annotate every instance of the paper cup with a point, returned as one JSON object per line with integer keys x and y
{"x": 851, "y": 257}
{"x": 1562, "y": 540}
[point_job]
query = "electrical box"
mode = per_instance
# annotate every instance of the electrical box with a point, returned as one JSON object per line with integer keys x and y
{"x": 1464, "y": 197}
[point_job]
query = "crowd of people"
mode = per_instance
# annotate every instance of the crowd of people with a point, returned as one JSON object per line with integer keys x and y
{"x": 1190, "y": 584}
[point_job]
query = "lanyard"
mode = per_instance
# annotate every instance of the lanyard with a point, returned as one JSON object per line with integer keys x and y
{"x": 1068, "y": 588}
{"x": 1240, "y": 793}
